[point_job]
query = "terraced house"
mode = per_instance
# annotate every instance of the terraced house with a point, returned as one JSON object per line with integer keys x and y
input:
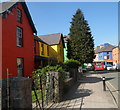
{"x": 104, "y": 53}
{"x": 17, "y": 40}
{"x": 41, "y": 51}
{"x": 56, "y": 47}
{"x": 22, "y": 50}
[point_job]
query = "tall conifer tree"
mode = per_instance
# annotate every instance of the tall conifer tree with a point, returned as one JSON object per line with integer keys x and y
{"x": 81, "y": 43}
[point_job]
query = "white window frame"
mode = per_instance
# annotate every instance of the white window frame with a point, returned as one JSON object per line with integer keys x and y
{"x": 19, "y": 35}
{"x": 19, "y": 15}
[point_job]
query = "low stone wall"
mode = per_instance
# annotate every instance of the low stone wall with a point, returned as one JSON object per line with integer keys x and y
{"x": 68, "y": 83}
{"x": 74, "y": 74}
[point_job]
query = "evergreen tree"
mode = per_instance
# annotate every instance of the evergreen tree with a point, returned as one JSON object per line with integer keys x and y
{"x": 81, "y": 43}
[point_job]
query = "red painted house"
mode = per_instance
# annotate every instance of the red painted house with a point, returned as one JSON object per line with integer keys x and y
{"x": 17, "y": 40}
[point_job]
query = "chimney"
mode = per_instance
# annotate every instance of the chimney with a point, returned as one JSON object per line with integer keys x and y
{"x": 101, "y": 46}
{"x": 106, "y": 44}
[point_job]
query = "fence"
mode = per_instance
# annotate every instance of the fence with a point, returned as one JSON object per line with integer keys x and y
{"x": 45, "y": 90}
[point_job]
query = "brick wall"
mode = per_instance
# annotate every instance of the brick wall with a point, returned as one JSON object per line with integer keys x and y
{"x": 116, "y": 55}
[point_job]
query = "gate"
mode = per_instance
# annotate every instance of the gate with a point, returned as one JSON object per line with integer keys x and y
{"x": 45, "y": 90}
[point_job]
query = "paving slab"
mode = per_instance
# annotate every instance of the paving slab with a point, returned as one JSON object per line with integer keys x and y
{"x": 87, "y": 93}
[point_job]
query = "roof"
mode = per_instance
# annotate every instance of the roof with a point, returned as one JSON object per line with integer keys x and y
{"x": 107, "y": 48}
{"x": 52, "y": 39}
{"x": 38, "y": 39}
{"x": 6, "y": 7}
{"x": 97, "y": 49}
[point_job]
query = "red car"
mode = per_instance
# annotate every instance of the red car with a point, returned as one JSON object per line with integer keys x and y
{"x": 99, "y": 66}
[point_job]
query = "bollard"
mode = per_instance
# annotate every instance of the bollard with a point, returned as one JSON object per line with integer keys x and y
{"x": 104, "y": 85}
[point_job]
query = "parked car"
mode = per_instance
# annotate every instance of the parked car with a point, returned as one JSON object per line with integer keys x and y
{"x": 118, "y": 66}
{"x": 90, "y": 67}
{"x": 115, "y": 66}
{"x": 109, "y": 67}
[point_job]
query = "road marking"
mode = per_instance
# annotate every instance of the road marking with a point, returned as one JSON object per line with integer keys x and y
{"x": 110, "y": 85}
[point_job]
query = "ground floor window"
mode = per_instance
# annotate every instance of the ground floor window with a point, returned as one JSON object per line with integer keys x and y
{"x": 20, "y": 67}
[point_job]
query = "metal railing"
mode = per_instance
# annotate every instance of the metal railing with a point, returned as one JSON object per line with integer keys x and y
{"x": 44, "y": 91}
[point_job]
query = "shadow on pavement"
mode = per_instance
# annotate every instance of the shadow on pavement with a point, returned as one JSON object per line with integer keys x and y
{"x": 105, "y": 71}
{"x": 76, "y": 92}
{"x": 95, "y": 79}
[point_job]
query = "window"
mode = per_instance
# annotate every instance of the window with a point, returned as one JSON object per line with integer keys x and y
{"x": 20, "y": 63}
{"x": 107, "y": 52}
{"x": 19, "y": 15}
{"x": 105, "y": 57}
{"x": 42, "y": 49}
{"x": 34, "y": 46}
{"x": 47, "y": 50}
{"x": 19, "y": 37}
{"x": 108, "y": 57}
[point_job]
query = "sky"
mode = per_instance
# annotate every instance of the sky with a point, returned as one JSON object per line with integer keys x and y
{"x": 55, "y": 17}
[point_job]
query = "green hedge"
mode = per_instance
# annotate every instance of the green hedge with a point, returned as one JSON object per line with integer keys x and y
{"x": 71, "y": 63}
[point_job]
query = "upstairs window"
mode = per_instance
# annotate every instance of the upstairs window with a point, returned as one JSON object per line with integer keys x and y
{"x": 108, "y": 53}
{"x": 42, "y": 49}
{"x": 47, "y": 50}
{"x": 35, "y": 47}
{"x": 19, "y": 37}
{"x": 19, "y": 15}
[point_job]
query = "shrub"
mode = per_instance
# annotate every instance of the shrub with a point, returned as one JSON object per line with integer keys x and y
{"x": 48, "y": 69}
{"x": 71, "y": 63}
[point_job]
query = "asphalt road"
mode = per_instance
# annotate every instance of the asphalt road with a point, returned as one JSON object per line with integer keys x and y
{"x": 113, "y": 77}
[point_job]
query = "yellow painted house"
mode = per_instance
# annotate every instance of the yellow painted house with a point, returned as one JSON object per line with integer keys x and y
{"x": 44, "y": 49}
{"x": 55, "y": 50}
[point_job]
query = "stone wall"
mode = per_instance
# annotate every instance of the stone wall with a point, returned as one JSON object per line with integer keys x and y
{"x": 19, "y": 93}
{"x": 68, "y": 83}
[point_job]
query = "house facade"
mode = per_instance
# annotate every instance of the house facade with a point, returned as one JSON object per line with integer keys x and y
{"x": 17, "y": 40}
{"x": 116, "y": 55}
{"x": 66, "y": 37}
{"x": 41, "y": 53}
{"x": 104, "y": 53}
{"x": 56, "y": 46}
{"x": 97, "y": 49}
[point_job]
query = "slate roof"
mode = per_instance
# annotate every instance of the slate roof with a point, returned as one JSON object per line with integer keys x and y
{"x": 6, "y": 7}
{"x": 52, "y": 39}
{"x": 97, "y": 49}
{"x": 107, "y": 48}
{"x": 38, "y": 39}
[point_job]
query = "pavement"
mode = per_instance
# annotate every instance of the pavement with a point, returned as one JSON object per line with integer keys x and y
{"x": 87, "y": 94}
{"x": 112, "y": 83}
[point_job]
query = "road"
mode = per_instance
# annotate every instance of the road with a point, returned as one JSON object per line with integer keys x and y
{"x": 113, "y": 83}
{"x": 112, "y": 77}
